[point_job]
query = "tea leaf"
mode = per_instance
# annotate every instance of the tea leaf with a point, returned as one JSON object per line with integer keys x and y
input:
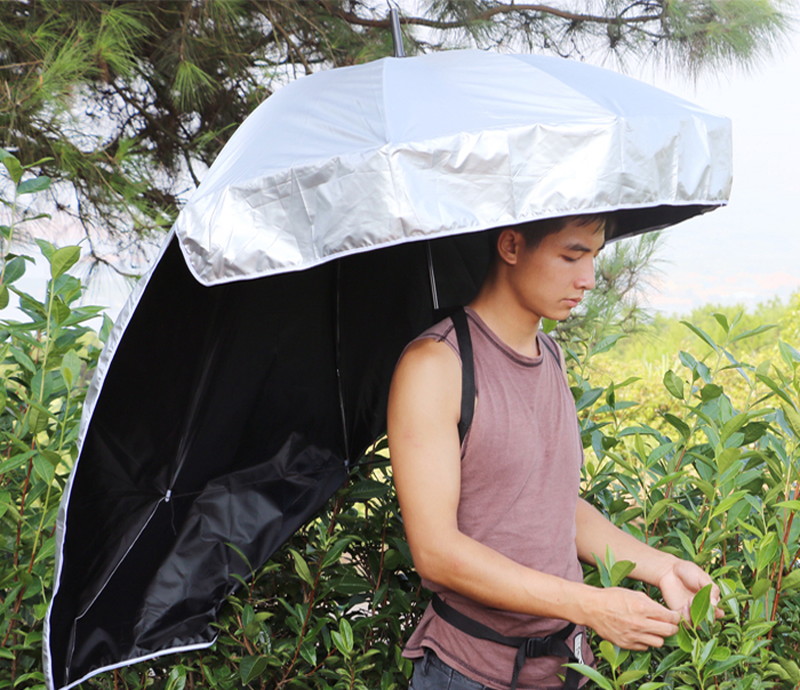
{"x": 701, "y": 604}
{"x": 63, "y": 259}
{"x": 36, "y": 184}
{"x": 592, "y": 675}
{"x": 674, "y": 384}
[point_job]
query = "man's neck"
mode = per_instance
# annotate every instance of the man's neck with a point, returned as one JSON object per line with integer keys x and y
{"x": 516, "y": 327}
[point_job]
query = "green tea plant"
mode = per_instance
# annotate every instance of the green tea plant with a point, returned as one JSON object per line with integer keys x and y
{"x": 718, "y": 484}
{"x": 45, "y": 361}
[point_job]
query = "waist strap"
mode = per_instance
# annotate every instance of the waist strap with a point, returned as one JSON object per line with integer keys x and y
{"x": 527, "y": 647}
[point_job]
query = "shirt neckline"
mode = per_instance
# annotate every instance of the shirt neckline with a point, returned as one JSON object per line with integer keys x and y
{"x": 506, "y": 349}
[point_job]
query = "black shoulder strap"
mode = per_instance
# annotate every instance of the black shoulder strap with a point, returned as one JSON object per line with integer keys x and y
{"x": 551, "y": 347}
{"x": 459, "y": 318}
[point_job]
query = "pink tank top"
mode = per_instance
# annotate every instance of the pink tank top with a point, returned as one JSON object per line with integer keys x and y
{"x": 520, "y": 477}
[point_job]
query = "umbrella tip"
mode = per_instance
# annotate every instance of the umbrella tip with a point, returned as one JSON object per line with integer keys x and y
{"x": 397, "y": 36}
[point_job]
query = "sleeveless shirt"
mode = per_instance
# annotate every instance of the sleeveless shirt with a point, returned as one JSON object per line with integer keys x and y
{"x": 520, "y": 477}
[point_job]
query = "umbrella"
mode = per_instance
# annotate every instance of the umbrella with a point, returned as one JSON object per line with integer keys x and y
{"x": 251, "y": 366}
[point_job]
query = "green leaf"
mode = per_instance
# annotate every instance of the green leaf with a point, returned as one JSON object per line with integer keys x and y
{"x": 301, "y": 568}
{"x": 791, "y": 581}
{"x": 588, "y": 398}
{"x": 606, "y": 343}
{"x": 710, "y": 391}
{"x": 592, "y": 675}
{"x": 4, "y": 297}
{"x": 722, "y": 320}
{"x": 789, "y": 354}
{"x": 46, "y": 248}
{"x": 774, "y": 387}
{"x": 792, "y": 505}
{"x": 620, "y": 570}
{"x": 630, "y": 676}
{"x": 44, "y": 468}
{"x": 792, "y": 416}
{"x": 12, "y": 165}
{"x": 37, "y": 184}
{"x": 366, "y": 489}
{"x": 727, "y": 503}
{"x": 63, "y": 259}
{"x": 700, "y": 333}
{"x": 760, "y": 588}
{"x": 251, "y": 667}
{"x": 343, "y": 638}
{"x": 752, "y": 332}
{"x": 674, "y": 384}
{"x": 335, "y": 552}
{"x": 5, "y": 502}
{"x": 15, "y": 269}
{"x": 71, "y": 368}
{"x": 685, "y": 640}
{"x": 679, "y": 424}
{"x": 701, "y": 603}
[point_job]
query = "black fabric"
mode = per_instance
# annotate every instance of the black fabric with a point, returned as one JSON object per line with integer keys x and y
{"x": 228, "y": 416}
{"x": 459, "y": 318}
{"x": 527, "y": 647}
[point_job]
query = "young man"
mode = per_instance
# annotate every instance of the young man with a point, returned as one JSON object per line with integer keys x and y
{"x": 495, "y": 523}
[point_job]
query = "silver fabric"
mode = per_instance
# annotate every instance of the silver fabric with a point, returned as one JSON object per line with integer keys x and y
{"x": 402, "y": 149}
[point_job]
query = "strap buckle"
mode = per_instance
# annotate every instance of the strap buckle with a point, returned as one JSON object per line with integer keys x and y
{"x": 537, "y": 646}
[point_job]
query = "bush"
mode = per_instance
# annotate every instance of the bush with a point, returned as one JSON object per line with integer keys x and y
{"x": 46, "y": 362}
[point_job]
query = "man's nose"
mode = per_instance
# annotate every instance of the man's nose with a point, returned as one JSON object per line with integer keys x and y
{"x": 586, "y": 278}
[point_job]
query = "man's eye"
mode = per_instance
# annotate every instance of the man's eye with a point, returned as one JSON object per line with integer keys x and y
{"x": 570, "y": 259}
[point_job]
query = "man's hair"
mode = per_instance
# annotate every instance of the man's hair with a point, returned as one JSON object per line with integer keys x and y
{"x": 535, "y": 231}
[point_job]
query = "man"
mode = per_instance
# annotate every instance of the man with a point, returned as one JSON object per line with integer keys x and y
{"x": 495, "y": 523}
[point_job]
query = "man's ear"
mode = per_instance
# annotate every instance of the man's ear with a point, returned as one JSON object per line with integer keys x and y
{"x": 509, "y": 245}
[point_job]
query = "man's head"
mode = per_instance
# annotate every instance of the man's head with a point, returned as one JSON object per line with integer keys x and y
{"x": 545, "y": 267}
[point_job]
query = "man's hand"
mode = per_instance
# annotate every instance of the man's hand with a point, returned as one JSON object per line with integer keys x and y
{"x": 629, "y": 619}
{"x": 681, "y": 582}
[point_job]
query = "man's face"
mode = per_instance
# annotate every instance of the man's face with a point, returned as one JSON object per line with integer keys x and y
{"x": 551, "y": 278}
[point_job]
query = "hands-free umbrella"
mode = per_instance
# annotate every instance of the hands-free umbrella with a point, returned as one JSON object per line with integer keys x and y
{"x": 252, "y": 365}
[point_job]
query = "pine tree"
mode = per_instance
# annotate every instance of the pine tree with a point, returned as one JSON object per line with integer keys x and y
{"x": 132, "y": 99}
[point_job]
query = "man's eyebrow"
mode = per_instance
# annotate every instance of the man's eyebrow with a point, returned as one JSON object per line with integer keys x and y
{"x": 578, "y": 247}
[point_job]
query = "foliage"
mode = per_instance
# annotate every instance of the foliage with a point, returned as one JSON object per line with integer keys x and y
{"x": 45, "y": 364}
{"x": 130, "y": 101}
{"x": 714, "y": 478}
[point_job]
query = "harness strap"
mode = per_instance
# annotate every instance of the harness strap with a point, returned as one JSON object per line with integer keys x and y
{"x": 527, "y": 647}
{"x": 459, "y": 318}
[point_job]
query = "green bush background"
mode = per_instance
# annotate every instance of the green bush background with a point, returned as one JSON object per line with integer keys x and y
{"x": 692, "y": 438}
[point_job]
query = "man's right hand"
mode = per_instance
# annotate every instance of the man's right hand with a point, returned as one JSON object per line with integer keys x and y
{"x": 629, "y": 619}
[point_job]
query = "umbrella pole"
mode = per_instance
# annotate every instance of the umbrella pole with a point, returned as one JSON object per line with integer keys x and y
{"x": 337, "y": 335}
{"x": 397, "y": 36}
{"x": 432, "y": 276}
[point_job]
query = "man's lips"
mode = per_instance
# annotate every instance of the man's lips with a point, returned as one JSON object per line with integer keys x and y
{"x": 572, "y": 302}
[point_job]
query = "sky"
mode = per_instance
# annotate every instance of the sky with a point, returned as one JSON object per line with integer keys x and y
{"x": 745, "y": 253}
{"x": 749, "y": 251}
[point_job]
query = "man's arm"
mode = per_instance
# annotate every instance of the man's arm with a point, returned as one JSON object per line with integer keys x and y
{"x": 678, "y": 580}
{"x": 423, "y": 413}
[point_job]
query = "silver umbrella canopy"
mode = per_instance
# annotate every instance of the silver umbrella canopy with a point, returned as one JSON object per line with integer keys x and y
{"x": 252, "y": 364}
